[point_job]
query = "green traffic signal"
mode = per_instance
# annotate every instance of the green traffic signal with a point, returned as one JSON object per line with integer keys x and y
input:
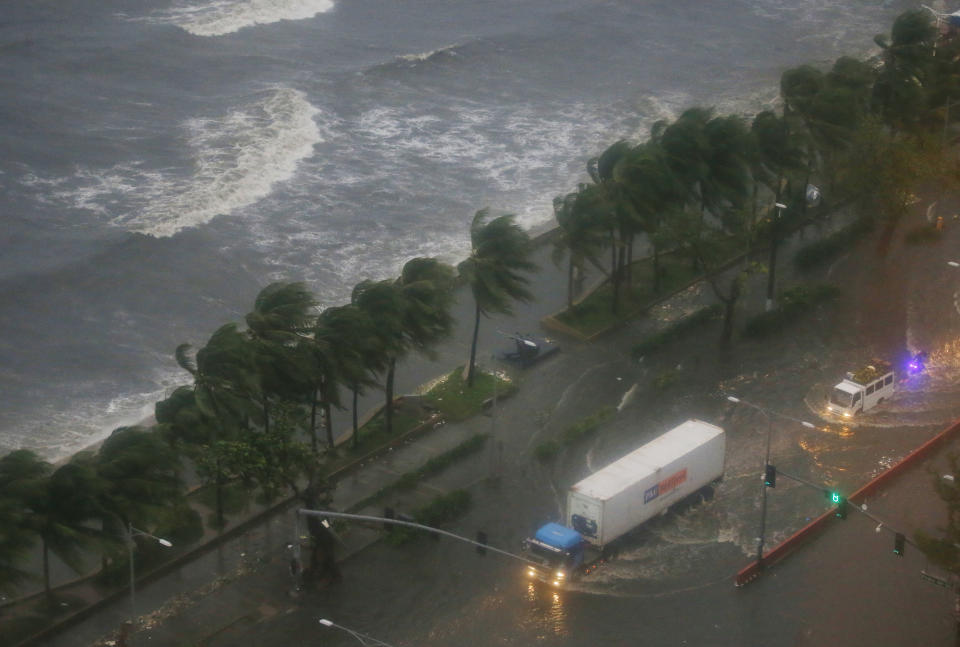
{"x": 835, "y": 497}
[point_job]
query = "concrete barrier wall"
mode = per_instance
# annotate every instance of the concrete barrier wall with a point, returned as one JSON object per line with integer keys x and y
{"x": 753, "y": 570}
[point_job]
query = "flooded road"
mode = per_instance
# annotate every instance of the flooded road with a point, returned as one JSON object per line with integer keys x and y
{"x": 670, "y": 581}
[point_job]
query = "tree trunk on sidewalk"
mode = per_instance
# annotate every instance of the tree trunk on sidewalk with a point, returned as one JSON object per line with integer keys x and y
{"x": 472, "y": 364}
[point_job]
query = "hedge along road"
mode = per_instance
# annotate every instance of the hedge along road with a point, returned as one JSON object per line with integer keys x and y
{"x": 672, "y": 581}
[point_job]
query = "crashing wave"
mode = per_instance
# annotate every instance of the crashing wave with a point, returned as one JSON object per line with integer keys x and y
{"x": 228, "y": 16}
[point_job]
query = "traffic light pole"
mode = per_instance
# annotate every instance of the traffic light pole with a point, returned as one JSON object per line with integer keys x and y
{"x": 410, "y": 524}
{"x": 763, "y": 500}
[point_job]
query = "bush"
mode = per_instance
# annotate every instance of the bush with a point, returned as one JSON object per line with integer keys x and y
{"x": 546, "y": 451}
{"x": 587, "y": 425}
{"x": 923, "y": 234}
{"x": 793, "y": 303}
{"x": 666, "y": 379}
{"x": 677, "y": 329}
{"x": 443, "y": 509}
{"x": 833, "y": 245}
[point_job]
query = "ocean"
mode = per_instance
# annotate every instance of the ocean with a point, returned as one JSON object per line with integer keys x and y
{"x": 163, "y": 161}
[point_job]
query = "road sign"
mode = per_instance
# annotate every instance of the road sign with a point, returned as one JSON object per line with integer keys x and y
{"x": 933, "y": 579}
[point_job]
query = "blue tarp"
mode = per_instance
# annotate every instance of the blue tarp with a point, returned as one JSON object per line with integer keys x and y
{"x": 559, "y": 536}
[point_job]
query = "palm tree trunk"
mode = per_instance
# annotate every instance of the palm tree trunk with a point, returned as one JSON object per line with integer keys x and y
{"x": 729, "y": 305}
{"x": 656, "y": 269}
{"x": 313, "y": 422}
{"x": 388, "y": 391}
{"x": 473, "y": 346}
{"x": 328, "y": 421}
{"x": 356, "y": 425}
{"x": 46, "y": 574}
{"x": 772, "y": 271}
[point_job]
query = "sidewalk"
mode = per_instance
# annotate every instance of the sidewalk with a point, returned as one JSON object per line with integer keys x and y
{"x": 265, "y": 540}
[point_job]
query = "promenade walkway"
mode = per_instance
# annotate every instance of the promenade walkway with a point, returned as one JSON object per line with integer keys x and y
{"x": 209, "y": 597}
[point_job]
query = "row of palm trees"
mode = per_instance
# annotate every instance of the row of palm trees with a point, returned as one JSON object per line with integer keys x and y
{"x": 704, "y": 183}
{"x": 254, "y": 411}
{"x": 260, "y": 394}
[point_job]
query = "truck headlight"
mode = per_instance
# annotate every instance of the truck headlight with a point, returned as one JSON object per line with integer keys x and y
{"x": 556, "y": 582}
{"x": 561, "y": 575}
{"x": 846, "y": 414}
{"x": 531, "y": 572}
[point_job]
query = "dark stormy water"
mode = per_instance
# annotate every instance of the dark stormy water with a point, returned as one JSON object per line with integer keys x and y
{"x": 163, "y": 161}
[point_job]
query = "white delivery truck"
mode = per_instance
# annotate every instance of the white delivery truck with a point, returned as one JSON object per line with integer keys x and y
{"x": 863, "y": 389}
{"x": 621, "y": 496}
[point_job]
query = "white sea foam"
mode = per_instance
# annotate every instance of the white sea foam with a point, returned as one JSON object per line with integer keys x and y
{"x": 446, "y": 50}
{"x": 238, "y": 159}
{"x": 228, "y": 16}
{"x": 57, "y": 433}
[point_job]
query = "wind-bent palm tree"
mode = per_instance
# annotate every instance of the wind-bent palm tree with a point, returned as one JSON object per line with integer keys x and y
{"x": 21, "y": 472}
{"x": 140, "y": 478}
{"x": 409, "y": 313}
{"x": 382, "y": 302}
{"x": 610, "y": 203}
{"x": 580, "y": 237}
{"x": 776, "y": 153}
{"x": 499, "y": 255}
{"x": 353, "y": 353}
{"x": 58, "y": 505}
{"x": 427, "y": 288}
{"x": 654, "y": 191}
{"x": 223, "y": 381}
{"x": 278, "y": 326}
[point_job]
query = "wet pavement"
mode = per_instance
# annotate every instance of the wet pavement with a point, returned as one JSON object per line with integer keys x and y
{"x": 672, "y": 583}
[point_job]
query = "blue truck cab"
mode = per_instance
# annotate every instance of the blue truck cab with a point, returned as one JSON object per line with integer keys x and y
{"x": 558, "y": 551}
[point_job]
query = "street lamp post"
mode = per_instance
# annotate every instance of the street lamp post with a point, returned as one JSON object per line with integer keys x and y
{"x": 363, "y": 639}
{"x": 131, "y": 533}
{"x": 763, "y": 501}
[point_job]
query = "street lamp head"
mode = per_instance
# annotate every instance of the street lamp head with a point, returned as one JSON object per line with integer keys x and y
{"x": 164, "y": 542}
{"x": 808, "y": 425}
{"x": 733, "y": 399}
{"x": 780, "y": 205}
{"x": 953, "y": 264}
{"x": 325, "y": 622}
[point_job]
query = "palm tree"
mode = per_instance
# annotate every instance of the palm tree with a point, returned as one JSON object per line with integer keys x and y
{"x": 278, "y": 327}
{"x": 775, "y": 154}
{"x": 908, "y": 62}
{"x": 223, "y": 379}
{"x": 58, "y": 505}
{"x": 499, "y": 254}
{"x": 427, "y": 288}
{"x": 579, "y": 237}
{"x": 412, "y": 312}
{"x": 611, "y": 204}
{"x": 21, "y": 472}
{"x": 382, "y": 302}
{"x": 140, "y": 478}
{"x": 353, "y": 353}
{"x": 654, "y": 190}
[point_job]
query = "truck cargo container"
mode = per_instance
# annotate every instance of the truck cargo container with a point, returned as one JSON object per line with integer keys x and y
{"x": 616, "y": 499}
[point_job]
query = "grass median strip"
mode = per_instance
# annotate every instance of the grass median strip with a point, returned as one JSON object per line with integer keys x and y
{"x": 581, "y": 429}
{"x": 432, "y": 467}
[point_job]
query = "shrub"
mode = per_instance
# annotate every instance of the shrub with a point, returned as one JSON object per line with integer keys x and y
{"x": 793, "y": 304}
{"x": 676, "y": 330}
{"x": 922, "y": 234}
{"x": 666, "y": 379}
{"x": 545, "y": 451}
{"x": 443, "y": 509}
{"x": 587, "y": 425}
{"x": 833, "y": 245}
